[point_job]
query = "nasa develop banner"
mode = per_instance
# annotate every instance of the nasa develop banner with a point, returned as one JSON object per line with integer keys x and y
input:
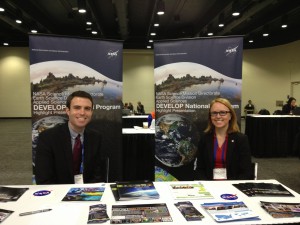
{"x": 188, "y": 75}
{"x": 62, "y": 65}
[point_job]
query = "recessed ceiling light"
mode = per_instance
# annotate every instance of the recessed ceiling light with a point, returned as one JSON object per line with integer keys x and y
{"x": 152, "y": 34}
{"x": 89, "y": 23}
{"x": 221, "y": 24}
{"x": 18, "y": 21}
{"x": 2, "y": 9}
{"x": 150, "y": 41}
{"x": 251, "y": 41}
{"x": 284, "y": 25}
{"x": 235, "y": 13}
{"x": 33, "y": 31}
{"x": 210, "y": 34}
{"x": 156, "y": 24}
{"x": 94, "y": 32}
{"x": 161, "y": 8}
{"x": 5, "y": 44}
{"x": 148, "y": 46}
{"x": 265, "y": 34}
{"x": 81, "y": 6}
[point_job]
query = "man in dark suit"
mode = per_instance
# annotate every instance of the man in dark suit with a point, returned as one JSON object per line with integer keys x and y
{"x": 54, "y": 157}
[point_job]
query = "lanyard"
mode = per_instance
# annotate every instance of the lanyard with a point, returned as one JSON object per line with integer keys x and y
{"x": 223, "y": 148}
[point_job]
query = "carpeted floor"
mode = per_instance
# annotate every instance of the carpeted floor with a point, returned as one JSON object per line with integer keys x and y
{"x": 16, "y": 161}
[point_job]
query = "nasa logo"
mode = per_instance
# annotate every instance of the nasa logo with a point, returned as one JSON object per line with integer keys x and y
{"x": 231, "y": 50}
{"x": 41, "y": 193}
{"x": 229, "y": 196}
{"x": 112, "y": 54}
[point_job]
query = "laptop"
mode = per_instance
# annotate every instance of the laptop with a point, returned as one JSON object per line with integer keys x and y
{"x": 126, "y": 112}
{"x": 296, "y": 111}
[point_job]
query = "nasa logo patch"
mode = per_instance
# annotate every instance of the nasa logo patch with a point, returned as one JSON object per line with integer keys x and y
{"x": 41, "y": 193}
{"x": 229, "y": 196}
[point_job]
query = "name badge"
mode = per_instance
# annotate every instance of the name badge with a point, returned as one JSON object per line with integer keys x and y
{"x": 78, "y": 178}
{"x": 220, "y": 174}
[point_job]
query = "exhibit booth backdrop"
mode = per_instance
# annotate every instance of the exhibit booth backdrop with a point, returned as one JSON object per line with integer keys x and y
{"x": 188, "y": 75}
{"x": 62, "y": 65}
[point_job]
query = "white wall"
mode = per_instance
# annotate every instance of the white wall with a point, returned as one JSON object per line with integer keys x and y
{"x": 14, "y": 82}
{"x": 267, "y": 77}
{"x": 138, "y": 78}
{"x": 268, "y": 73}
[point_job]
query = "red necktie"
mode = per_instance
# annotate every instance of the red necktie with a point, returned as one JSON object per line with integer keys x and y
{"x": 77, "y": 155}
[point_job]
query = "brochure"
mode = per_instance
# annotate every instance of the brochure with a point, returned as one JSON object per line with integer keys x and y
{"x": 84, "y": 194}
{"x": 263, "y": 189}
{"x": 145, "y": 213}
{"x": 281, "y": 209}
{"x": 188, "y": 210}
{"x": 229, "y": 211}
{"x": 136, "y": 190}
{"x": 11, "y": 193}
{"x": 98, "y": 214}
{"x": 4, "y": 214}
{"x": 189, "y": 191}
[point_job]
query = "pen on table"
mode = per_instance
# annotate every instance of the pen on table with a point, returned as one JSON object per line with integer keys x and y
{"x": 34, "y": 212}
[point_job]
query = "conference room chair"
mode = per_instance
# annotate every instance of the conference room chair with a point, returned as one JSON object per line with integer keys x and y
{"x": 254, "y": 166}
{"x": 264, "y": 112}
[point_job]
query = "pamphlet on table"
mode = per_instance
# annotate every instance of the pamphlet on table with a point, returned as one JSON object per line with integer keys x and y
{"x": 4, "y": 214}
{"x": 84, "y": 194}
{"x": 8, "y": 194}
{"x": 189, "y": 191}
{"x": 189, "y": 212}
{"x": 229, "y": 211}
{"x": 263, "y": 189}
{"x": 142, "y": 213}
{"x": 281, "y": 209}
{"x": 97, "y": 214}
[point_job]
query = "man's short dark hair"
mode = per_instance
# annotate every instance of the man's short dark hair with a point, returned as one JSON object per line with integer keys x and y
{"x": 81, "y": 94}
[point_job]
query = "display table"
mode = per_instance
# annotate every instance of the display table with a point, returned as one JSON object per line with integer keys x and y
{"x": 138, "y": 154}
{"x": 272, "y": 135}
{"x": 134, "y": 120}
{"x": 76, "y": 213}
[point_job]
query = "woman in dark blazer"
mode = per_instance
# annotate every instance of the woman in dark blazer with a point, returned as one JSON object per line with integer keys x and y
{"x": 289, "y": 106}
{"x": 223, "y": 151}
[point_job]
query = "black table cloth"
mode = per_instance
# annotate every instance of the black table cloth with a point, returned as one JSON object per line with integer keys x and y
{"x": 273, "y": 136}
{"x": 138, "y": 157}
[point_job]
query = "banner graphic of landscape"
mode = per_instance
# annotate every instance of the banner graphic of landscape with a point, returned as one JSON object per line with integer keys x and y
{"x": 188, "y": 75}
{"x": 62, "y": 65}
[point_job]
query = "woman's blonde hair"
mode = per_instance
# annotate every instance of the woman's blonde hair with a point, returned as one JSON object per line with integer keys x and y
{"x": 233, "y": 125}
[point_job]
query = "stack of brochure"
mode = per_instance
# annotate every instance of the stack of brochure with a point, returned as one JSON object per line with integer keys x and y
{"x": 229, "y": 211}
{"x": 134, "y": 190}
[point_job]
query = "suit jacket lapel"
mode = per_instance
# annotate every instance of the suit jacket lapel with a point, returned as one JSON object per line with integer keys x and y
{"x": 230, "y": 147}
{"x": 210, "y": 148}
{"x": 67, "y": 147}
